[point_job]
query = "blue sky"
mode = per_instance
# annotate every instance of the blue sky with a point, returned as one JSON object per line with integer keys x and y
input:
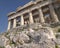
{"x": 7, "y": 6}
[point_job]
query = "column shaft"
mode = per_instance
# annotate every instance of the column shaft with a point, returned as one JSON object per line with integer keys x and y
{"x": 9, "y": 24}
{"x": 31, "y": 18}
{"x": 14, "y": 23}
{"x": 22, "y": 20}
{"x": 53, "y": 14}
{"x": 41, "y": 16}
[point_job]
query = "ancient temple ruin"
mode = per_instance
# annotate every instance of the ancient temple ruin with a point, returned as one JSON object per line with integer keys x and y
{"x": 35, "y": 11}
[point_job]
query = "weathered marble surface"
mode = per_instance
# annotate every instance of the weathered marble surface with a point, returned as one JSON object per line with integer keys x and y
{"x": 30, "y": 38}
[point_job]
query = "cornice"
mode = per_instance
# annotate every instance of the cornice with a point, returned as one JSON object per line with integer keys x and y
{"x": 11, "y": 13}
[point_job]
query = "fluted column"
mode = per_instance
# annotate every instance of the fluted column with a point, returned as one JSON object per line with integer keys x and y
{"x": 41, "y": 15}
{"x": 53, "y": 14}
{"x": 9, "y": 24}
{"x": 31, "y": 18}
{"x": 14, "y": 23}
{"x": 22, "y": 20}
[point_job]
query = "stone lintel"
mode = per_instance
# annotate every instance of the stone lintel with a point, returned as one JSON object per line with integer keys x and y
{"x": 28, "y": 4}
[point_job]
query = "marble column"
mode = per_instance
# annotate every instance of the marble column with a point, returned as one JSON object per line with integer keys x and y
{"x": 9, "y": 24}
{"x": 22, "y": 20}
{"x": 14, "y": 23}
{"x": 31, "y": 18}
{"x": 41, "y": 15}
{"x": 53, "y": 14}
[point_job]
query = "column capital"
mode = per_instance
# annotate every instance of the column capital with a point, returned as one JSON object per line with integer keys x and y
{"x": 29, "y": 10}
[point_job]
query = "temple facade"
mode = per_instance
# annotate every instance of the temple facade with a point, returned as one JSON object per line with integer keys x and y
{"x": 35, "y": 11}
